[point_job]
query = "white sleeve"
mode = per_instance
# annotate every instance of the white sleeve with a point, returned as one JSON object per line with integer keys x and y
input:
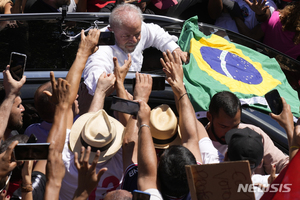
{"x": 155, "y": 194}
{"x": 208, "y": 152}
{"x": 99, "y": 62}
{"x": 272, "y": 6}
{"x": 158, "y": 37}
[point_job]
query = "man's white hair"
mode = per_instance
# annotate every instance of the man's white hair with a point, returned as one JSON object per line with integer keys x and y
{"x": 123, "y": 14}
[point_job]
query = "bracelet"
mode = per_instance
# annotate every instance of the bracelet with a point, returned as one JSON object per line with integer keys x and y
{"x": 144, "y": 125}
{"x": 26, "y": 188}
{"x": 294, "y": 147}
{"x": 182, "y": 96}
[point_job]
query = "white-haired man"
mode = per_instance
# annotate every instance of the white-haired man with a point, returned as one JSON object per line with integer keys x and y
{"x": 132, "y": 36}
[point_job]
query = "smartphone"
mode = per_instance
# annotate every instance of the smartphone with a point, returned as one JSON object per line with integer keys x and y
{"x": 32, "y": 139}
{"x": 31, "y": 151}
{"x": 125, "y": 106}
{"x": 158, "y": 83}
{"x": 274, "y": 100}
{"x": 17, "y": 65}
{"x": 107, "y": 38}
{"x": 140, "y": 195}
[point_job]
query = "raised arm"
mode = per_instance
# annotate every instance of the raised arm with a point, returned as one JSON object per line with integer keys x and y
{"x": 88, "y": 178}
{"x": 55, "y": 169}
{"x": 262, "y": 12}
{"x": 86, "y": 48}
{"x": 105, "y": 87}
{"x": 187, "y": 119}
{"x": 120, "y": 73}
{"x": 147, "y": 161}
{"x": 285, "y": 120}
{"x": 12, "y": 89}
{"x": 142, "y": 91}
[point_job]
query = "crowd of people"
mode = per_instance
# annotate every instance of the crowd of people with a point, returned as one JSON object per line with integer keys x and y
{"x": 93, "y": 155}
{"x": 271, "y": 22}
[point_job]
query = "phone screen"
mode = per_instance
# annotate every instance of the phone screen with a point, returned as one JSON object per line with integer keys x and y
{"x": 140, "y": 195}
{"x": 158, "y": 83}
{"x": 31, "y": 151}
{"x": 125, "y": 106}
{"x": 106, "y": 38}
{"x": 274, "y": 100}
{"x": 17, "y": 65}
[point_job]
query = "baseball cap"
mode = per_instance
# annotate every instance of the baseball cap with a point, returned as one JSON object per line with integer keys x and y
{"x": 245, "y": 144}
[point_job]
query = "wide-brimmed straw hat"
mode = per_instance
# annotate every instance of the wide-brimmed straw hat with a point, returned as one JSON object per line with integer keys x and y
{"x": 164, "y": 127}
{"x": 99, "y": 131}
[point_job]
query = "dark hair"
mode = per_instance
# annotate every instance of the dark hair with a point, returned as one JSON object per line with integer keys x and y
{"x": 227, "y": 101}
{"x": 42, "y": 103}
{"x": 290, "y": 20}
{"x": 171, "y": 170}
{"x": 21, "y": 138}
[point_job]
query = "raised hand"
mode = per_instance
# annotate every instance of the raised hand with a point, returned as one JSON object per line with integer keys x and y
{"x": 184, "y": 56}
{"x": 11, "y": 86}
{"x": 105, "y": 84}
{"x": 174, "y": 72}
{"x": 6, "y": 163}
{"x": 87, "y": 177}
{"x": 143, "y": 87}
{"x": 60, "y": 91}
{"x": 121, "y": 72}
{"x": 88, "y": 44}
{"x": 258, "y": 6}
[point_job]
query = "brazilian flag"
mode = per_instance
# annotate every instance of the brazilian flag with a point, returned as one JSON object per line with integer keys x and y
{"x": 217, "y": 65}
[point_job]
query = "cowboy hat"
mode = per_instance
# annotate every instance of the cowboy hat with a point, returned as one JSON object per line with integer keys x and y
{"x": 164, "y": 128}
{"x": 99, "y": 131}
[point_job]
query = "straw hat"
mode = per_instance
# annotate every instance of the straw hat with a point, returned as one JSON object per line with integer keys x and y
{"x": 164, "y": 128}
{"x": 99, "y": 131}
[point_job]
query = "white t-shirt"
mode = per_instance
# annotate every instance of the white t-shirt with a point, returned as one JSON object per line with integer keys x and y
{"x": 110, "y": 180}
{"x": 155, "y": 194}
{"x": 208, "y": 152}
{"x": 102, "y": 60}
{"x": 225, "y": 20}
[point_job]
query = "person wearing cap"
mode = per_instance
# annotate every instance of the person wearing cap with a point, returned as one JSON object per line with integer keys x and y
{"x": 225, "y": 114}
{"x": 132, "y": 36}
{"x": 246, "y": 144}
{"x": 252, "y": 13}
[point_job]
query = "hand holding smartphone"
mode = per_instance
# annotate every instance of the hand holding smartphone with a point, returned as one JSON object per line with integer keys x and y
{"x": 125, "y": 106}
{"x": 17, "y": 65}
{"x": 274, "y": 100}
